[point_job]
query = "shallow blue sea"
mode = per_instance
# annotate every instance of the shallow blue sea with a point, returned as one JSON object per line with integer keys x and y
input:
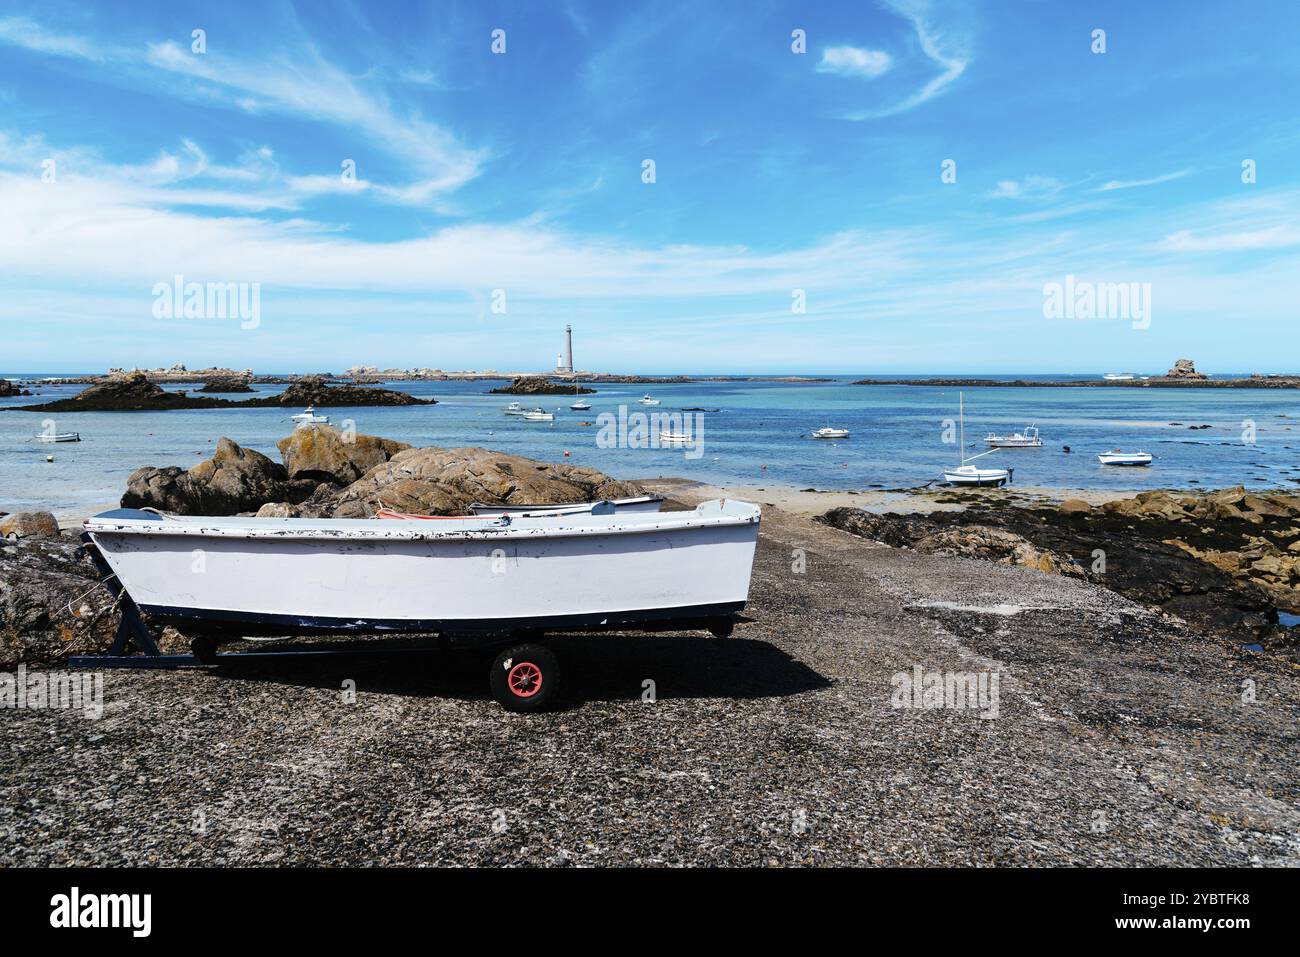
{"x": 897, "y": 436}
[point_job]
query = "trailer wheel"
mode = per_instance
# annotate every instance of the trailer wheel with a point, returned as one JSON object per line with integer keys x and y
{"x": 722, "y": 627}
{"x": 204, "y": 648}
{"x": 525, "y": 678}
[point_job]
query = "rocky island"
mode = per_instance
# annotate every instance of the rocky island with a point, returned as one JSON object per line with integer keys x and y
{"x": 135, "y": 392}
{"x": 1182, "y": 374}
{"x": 540, "y": 385}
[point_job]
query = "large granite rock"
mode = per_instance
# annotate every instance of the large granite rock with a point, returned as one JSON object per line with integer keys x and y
{"x": 29, "y": 525}
{"x": 326, "y": 454}
{"x": 8, "y": 388}
{"x": 312, "y": 390}
{"x": 234, "y": 480}
{"x": 434, "y": 481}
{"x": 232, "y": 383}
{"x": 1184, "y": 369}
{"x": 540, "y": 385}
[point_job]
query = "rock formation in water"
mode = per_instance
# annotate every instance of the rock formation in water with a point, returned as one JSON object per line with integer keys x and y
{"x": 540, "y": 385}
{"x": 1184, "y": 369}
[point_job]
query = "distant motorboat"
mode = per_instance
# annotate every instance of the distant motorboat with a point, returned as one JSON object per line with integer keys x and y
{"x": 309, "y": 417}
{"x": 580, "y": 406}
{"x": 58, "y": 437}
{"x": 537, "y": 415}
{"x": 1117, "y": 457}
{"x": 514, "y": 408}
{"x": 1119, "y": 376}
{"x": 667, "y": 437}
{"x": 829, "y": 433}
{"x": 647, "y": 400}
{"x": 1027, "y": 439}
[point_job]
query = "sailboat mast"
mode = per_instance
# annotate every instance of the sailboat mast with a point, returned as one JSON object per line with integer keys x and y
{"x": 961, "y": 417}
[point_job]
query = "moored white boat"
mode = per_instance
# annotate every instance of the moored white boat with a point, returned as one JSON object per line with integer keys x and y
{"x": 1117, "y": 457}
{"x": 970, "y": 475}
{"x": 580, "y": 406}
{"x": 1028, "y": 439}
{"x": 669, "y": 437}
{"x": 638, "y": 503}
{"x": 827, "y": 432}
{"x": 514, "y": 408}
{"x": 537, "y": 415}
{"x": 309, "y": 417}
{"x": 458, "y": 577}
{"x": 647, "y": 399}
{"x": 58, "y": 436}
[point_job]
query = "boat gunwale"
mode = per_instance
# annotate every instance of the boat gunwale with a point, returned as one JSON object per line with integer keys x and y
{"x": 418, "y": 530}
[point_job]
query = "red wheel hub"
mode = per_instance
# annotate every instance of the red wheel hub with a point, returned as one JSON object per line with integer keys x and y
{"x": 525, "y": 679}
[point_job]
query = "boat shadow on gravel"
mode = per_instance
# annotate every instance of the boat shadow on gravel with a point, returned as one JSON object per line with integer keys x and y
{"x": 609, "y": 667}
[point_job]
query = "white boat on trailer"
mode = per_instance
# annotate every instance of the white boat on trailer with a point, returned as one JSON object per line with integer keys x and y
{"x": 1118, "y": 457}
{"x": 477, "y": 580}
{"x": 637, "y": 503}
{"x": 1028, "y": 439}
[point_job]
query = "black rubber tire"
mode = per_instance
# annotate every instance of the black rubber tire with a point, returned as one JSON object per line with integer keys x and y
{"x": 204, "y": 648}
{"x": 525, "y": 678}
{"x": 722, "y": 627}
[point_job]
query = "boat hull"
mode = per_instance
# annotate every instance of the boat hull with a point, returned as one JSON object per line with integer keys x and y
{"x": 641, "y": 503}
{"x": 289, "y": 576}
{"x": 989, "y": 479}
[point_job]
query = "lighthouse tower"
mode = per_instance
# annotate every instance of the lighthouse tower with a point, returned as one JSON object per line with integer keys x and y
{"x": 565, "y": 363}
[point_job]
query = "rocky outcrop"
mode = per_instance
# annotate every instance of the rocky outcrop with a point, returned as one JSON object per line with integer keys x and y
{"x": 434, "y": 481}
{"x": 312, "y": 390}
{"x": 29, "y": 525}
{"x": 325, "y": 454}
{"x": 227, "y": 384}
{"x": 134, "y": 392}
{"x": 1223, "y": 561}
{"x": 234, "y": 480}
{"x": 540, "y": 385}
{"x": 1184, "y": 369}
{"x": 8, "y": 388}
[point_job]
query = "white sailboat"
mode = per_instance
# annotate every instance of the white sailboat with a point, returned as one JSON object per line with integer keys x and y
{"x": 826, "y": 432}
{"x": 969, "y": 475}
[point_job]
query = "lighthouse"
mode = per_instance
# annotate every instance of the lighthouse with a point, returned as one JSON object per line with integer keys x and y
{"x": 565, "y": 363}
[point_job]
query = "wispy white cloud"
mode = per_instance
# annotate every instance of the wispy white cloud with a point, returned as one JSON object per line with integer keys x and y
{"x": 1273, "y": 237}
{"x": 1134, "y": 183}
{"x": 306, "y": 85}
{"x": 1031, "y": 187}
{"x": 947, "y": 48}
{"x": 854, "y": 61}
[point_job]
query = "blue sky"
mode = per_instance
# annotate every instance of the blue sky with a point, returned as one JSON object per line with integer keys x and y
{"x": 775, "y": 171}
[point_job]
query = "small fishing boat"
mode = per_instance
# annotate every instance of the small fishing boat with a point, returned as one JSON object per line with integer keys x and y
{"x": 647, "y": 400}
{"x": 968, "y": 474}
{"x": 502, "y": 580}
{"x": 309, "y": 417}
{"x": 1119, "y": 457}
{"x": 1028, "y": 439}
{"x": 58, "y": 436}
{"x": 827, "y": 432}
{"x": 668, "y": 437}
{"x": 637, "y": 503}
{"x": 537, "y": 415}
{"x": 514, "y": 408}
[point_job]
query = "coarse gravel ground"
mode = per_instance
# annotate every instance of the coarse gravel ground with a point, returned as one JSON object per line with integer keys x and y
{"x": 1120, "y": 739}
